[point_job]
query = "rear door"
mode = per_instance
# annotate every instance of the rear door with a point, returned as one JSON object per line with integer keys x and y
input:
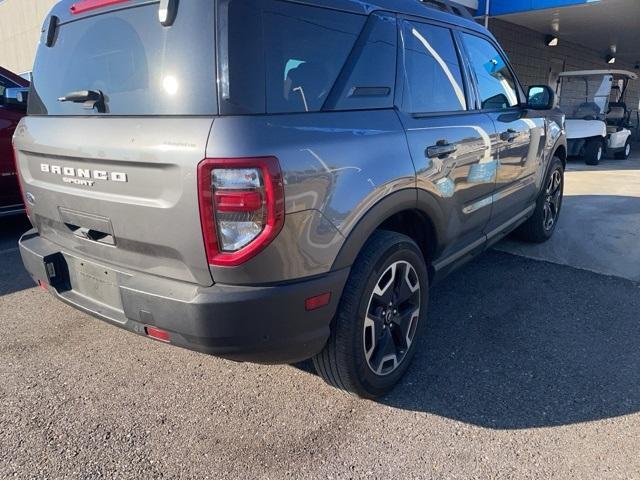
{"x": 118, "y": 184}
{"x": 452, "y": 147}
{"x": 520, "y": 136}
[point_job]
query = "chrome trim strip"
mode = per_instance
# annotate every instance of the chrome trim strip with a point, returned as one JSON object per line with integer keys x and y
{"x": 484, "y": 239}
{"x": 513, "y": 188}
{"x": 494, "y": 197}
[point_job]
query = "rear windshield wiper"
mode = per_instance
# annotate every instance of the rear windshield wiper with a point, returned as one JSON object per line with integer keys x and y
{"x": 90, "y": 98}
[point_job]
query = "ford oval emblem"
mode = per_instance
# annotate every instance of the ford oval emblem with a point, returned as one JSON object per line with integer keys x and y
{"x": 30, "y": 198}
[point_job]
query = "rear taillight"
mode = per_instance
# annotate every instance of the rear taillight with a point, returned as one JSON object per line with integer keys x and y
{"x": 241, "y": 207}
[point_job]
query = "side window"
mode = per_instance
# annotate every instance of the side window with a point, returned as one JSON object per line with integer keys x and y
{"x": 496, "y": 85}
{"x": 305, "y": 50}
{"x": 280, "y": 57}
{"x": 368, "y": 78}
{"x": 432, "y": 70}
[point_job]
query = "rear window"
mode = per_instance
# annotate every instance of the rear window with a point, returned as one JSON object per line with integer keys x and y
{"x": 141, "y": 67}
{"x": 279, "y": 57}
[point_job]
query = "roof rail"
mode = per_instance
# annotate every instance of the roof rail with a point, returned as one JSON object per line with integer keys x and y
{"x": 446, "y": 6}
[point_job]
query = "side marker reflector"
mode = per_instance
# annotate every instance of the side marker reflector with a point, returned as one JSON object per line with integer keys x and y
{"x": 313, "y": 303}
{"x": 157, "y": 334}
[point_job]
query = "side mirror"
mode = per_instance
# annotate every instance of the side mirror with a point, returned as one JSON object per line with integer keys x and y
{"x": 541, "y": 97}
{"x": 16, "y": 98}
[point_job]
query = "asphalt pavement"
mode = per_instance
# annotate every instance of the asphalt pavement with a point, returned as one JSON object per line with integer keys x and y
{"x": 528, "y": 370}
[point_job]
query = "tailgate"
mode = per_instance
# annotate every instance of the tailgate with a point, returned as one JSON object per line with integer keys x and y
{"x": 119, "y": 190}
{"x": 113, "y": 179}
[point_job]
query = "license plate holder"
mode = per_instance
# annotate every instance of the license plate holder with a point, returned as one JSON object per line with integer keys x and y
{"x": 95, "y": 282}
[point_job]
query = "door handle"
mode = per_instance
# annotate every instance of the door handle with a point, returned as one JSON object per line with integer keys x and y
{"x": 441, "y": 149}
{"x": 509, "y": 136}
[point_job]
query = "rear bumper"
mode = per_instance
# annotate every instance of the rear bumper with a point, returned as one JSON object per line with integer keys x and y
{"x": 264, "y": 324}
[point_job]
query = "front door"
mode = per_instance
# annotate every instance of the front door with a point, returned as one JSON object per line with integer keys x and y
{"x": 520, "y": 136}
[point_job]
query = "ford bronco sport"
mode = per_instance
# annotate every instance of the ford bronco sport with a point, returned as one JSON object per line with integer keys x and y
{"x": 272, "y": 180}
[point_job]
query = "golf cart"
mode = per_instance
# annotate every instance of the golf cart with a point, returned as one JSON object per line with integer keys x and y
{"x": 597, "y": 117}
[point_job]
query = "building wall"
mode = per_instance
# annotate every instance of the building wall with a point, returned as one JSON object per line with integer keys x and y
{"x": 532, "y": 58}
{"x": 20, "y": 25}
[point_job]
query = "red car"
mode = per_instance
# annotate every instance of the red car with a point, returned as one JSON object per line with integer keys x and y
{"x": 10, "y": 114}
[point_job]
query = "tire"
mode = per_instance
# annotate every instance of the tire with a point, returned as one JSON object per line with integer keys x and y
{"x": 349, "y": 360}
{"x": 593, "y": 151}
{"x": 537, "y": 228}
{"x": 625, "y": 152}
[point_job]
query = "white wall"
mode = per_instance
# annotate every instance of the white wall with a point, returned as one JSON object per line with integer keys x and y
{"x": 20, "y": 25}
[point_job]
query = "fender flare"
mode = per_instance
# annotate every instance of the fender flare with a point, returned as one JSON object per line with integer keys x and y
{"x": 402, "y": 200}
{"x": 560, "y": 142}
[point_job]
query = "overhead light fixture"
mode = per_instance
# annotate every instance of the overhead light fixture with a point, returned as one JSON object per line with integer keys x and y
{"x": 551, "y": 40}
{"x": 611, "y": 57}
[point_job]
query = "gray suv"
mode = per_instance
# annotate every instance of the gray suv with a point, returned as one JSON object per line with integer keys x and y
{"x": 273, "y": 181}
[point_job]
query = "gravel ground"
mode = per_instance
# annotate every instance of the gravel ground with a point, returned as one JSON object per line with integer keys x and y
{"x": 528, "y": 370}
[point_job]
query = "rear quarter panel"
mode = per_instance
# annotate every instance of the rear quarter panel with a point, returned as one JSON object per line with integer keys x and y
{"x": 336, "y": 167}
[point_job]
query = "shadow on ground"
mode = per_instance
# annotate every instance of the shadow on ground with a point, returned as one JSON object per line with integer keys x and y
{"x": 13, "y": 276}
{"x": 513, "y": 343}
{"x": 599, "y": 233}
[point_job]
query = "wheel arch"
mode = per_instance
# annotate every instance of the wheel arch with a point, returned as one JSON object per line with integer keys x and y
{"x": 561, "y": 152}
{"x": 412, "y": 212}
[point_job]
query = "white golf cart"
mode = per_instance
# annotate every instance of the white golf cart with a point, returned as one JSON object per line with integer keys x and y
{"x": 597, "y": 117}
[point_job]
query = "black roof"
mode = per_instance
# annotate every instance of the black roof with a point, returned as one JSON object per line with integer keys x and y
{"x": 364, "y": 7}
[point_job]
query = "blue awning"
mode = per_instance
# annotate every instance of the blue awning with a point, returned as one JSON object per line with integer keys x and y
{"x": 505, "y": 7}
